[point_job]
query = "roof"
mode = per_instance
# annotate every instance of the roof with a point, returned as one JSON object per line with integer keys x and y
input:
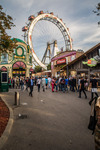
{"x": 84, "y": 55}
{"x": 63, "y": 56}
{"x": 18, "y": 40}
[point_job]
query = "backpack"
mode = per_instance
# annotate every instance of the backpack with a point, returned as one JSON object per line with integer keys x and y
{"x": 62, "y": 81}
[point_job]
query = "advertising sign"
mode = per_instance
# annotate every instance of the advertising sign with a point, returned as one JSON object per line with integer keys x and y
{"x": 91, "y": 62}
{"x": 61, "y": 61}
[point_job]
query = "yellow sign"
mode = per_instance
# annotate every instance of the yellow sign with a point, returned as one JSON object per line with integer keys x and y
{"x": 20, "y": 57}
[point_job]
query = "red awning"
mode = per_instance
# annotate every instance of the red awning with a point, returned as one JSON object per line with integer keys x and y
{"x": 3, "y": 69}
{"x": 19, "y": 64}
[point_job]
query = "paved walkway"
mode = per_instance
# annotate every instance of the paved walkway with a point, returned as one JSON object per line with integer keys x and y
{"x": 50, "y": 121}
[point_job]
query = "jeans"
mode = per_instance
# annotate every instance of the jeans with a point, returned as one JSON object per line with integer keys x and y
{"x": 38, "y": 87}
{"x": 63, "y": 87}
{"x": 56, "y": 87}
{"x": 66, "y": 87}
{"x": 31, "y": 90}
{"x": 49, "y": 85}
{"x": 22, "y": 87}
{"x": 83, "y": 92}
{"x": 92, "y": 95}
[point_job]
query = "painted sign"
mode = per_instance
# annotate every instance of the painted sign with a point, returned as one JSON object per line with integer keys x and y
{"x": 61, "y": 61}
{"x": 91, "y": 62}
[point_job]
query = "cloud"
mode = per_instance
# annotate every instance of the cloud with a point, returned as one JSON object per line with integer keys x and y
{"x": 22, "y": 3}
{"x": 77, "y": 15}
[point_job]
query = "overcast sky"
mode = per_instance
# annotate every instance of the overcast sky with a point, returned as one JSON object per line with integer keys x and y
{"x": 76, "y": 14}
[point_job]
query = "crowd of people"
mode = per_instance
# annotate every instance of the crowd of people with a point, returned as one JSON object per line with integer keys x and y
{"x": 64, "y": 84}
{"x": 56, "y": 84}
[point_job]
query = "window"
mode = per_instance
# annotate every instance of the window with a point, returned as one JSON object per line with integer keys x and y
{"x": 4, "y": 58}
{"x": 99, "y": 51}
{"x": 4, "y": 77}
{"x": 30, "y": 59}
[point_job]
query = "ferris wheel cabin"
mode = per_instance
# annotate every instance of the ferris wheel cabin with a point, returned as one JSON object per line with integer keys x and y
{"x": 30, "y": 18}
{"x": 51, "y": 13}
{"x": 25, "y": 28}
{"x": 40, "y": 12}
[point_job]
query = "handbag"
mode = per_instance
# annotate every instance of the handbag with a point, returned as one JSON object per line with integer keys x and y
{"x": 91, "y": 125}
{"x": 93, "y": 120}
{"x": 94, "y": 90}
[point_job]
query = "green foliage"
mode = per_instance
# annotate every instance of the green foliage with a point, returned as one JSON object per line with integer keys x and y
{"x": 6, "y": 44}
{"x": 49, "y": 66}
{"x": 37, "y": 69}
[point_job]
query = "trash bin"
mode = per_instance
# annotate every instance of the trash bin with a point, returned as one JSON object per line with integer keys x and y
{"x": 17, "y": 99}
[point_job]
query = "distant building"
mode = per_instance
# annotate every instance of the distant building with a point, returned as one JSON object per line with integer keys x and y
{"x": 85, "y": 65}
{"x": 19, "y": 63}
{"x": 61, "y": 59}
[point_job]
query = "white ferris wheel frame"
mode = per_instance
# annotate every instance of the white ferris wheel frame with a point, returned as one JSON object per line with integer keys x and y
{"x": 31, "y": 27}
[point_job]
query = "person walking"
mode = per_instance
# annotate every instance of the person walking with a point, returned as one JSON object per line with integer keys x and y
{"x": 63, "y": 84}
{"x": 31, "y": 84}
{"x": 22, "y": 83}
{"x": 13, "y": 82}
{"x": 86, "y": 84}
{"x": 78, "y": 84}
{"x": 38, "y": 83}
{"x": 94, "y": 86}
{"x": 46, "y": 82}
{"x": 74, "y": 84}
{"x": 17, "y": 82}
{"x": 26, "y": 80}
{"x": 59, "y": 82}
{"x": 82, "y": 88}
{"x": 49, "y": 82}
{"x": 56, "y": 83}
{"x": 10, "y": 82}
{"x": 53, "y": 83}
{"x": 70, "y": 83}
{"x": 43, "y": 84}
{"x": 66, "y": 84}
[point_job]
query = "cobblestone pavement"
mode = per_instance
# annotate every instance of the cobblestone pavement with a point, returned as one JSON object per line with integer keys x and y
{"x": 49, "y": 121}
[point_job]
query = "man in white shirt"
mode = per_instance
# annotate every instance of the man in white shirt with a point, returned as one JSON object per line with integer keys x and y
{"x": 43, "y": 83}
{"x": 38, "y": 83}
{"x": 49, "y": 82}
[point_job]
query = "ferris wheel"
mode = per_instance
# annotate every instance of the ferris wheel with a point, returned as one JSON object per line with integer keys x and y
{"x": 51, "y": 18}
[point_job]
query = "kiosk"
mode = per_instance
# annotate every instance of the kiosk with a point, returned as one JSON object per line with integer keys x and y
{"x": 4, "y": 81}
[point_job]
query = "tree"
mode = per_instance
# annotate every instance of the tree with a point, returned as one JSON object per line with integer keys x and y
{"x": 6, "y": 44}
{"x": 37, "y": 69}
{"x": 49, "y": 66}
{"x": 97, "y": 11}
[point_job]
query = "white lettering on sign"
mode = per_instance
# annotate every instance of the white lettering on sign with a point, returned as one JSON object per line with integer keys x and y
{"x": 61, "y": 61}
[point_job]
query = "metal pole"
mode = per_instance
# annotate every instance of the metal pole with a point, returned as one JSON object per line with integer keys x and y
{"x": 67, "y": 72}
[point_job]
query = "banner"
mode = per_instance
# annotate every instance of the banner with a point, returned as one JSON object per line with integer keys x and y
{"x": 91, "y": 62}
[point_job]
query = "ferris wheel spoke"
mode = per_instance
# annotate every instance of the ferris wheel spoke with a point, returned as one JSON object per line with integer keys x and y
{"x": 48, "y": 29}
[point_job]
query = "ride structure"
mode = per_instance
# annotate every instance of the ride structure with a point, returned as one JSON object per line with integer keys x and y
{"x": 48, "y": 17}
{"x": 50, "y": 54}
